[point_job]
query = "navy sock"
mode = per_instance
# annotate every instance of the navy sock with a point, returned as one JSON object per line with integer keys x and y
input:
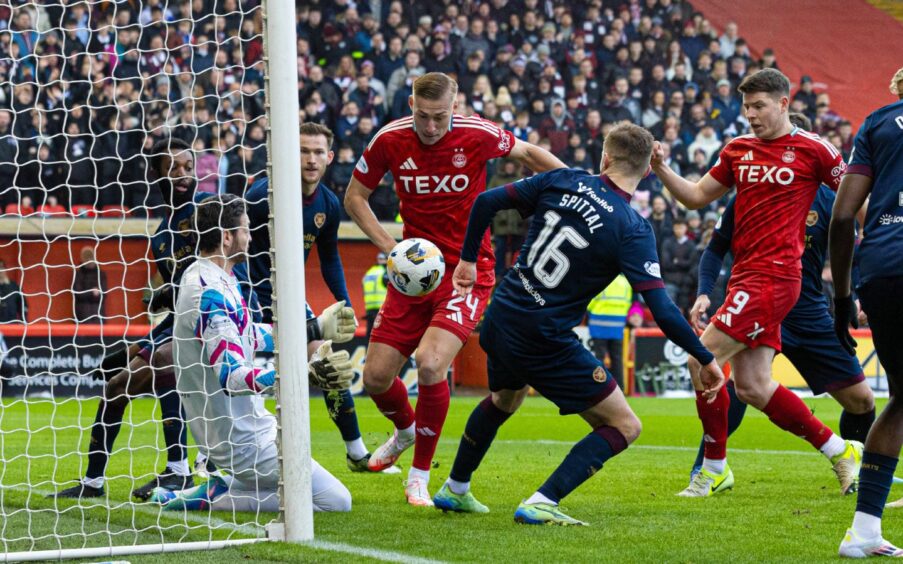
{"x": 340, "y": 406}
{"x": 174, "y": 429}
{"x": 735, "y": 414}
{"x": 855, "y": 426}
{"x": 103, "y": 434}
{"x": 584, "y": 460}
{"x": 482, "y": 425}
{"x": 875, "y": 479}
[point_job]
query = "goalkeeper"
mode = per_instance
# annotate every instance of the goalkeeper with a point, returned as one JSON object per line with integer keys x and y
{"x": 214, "y": 343}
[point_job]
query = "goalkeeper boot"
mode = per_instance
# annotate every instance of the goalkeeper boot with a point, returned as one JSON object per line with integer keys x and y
{"x": 706, "y": 483}
{"x": 194, "y": 499}
{"x": 386, "y": 455}
{"x": 853, "y": 546}
{"x": 543, "y": 514}
{"x": 447, "y": 500}
{"x": 846, "y": 467}
{"x": 168, "y": 480}
{"x": 79, "y": 491}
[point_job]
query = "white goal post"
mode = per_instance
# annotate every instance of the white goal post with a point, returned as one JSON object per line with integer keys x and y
{"x": 49, "y": 364}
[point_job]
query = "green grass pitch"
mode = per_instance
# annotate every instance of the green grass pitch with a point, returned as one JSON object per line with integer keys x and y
{"x": 786, "y": 504}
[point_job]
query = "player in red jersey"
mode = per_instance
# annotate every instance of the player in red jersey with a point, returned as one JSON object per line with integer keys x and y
{"x": 777, "y": 172}
{"x": 438, "y": 160}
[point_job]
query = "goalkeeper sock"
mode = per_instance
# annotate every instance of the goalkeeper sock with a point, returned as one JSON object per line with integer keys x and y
{"x": 394, "y": 404}
{"x": 480, "y": 431}
{"x": 106, "y": 427}
{"x": 174, "y": 432}
{"x": 735, "y": 413}
{"x": 855, "y": 426}
{"x": 432, "y": 408}
{"x": 585, "y": 459}
{"x": 340, "y": 407}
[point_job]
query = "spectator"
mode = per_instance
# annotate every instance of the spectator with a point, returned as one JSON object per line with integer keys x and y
{"x": 728, "y": 41}
{"x": 403, "y": 73}
{"x": 555, "y": 128}
{"x": 206, "y": 168}
{"x": 679, "y": 262}
{"x": 725, "y": 103}
{"x": 661, "y": 221}
{"x": 13, "y": 306}
{"x": 88, "y": 289}
{"x": 806, "y": 96}
{"x": 340, "y": 171}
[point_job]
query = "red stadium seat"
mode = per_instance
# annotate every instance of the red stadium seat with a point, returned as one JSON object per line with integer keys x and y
{"x": 114, "y": 211}
{"x": 15, "y": 209}
{"x": 84, "y": 210}
{"x": 53, "y": 211}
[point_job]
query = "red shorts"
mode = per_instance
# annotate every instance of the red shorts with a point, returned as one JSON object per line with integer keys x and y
{"x": 755, "y": 306}
{"x": 402, "y": 320}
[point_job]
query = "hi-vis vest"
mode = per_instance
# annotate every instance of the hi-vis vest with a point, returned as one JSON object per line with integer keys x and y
{"x": 608, "y": 310}
{"x": 374, "y": 288}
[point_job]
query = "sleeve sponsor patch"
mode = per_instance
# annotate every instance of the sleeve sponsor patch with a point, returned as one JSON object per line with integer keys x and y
{"x": 362, "y": 165}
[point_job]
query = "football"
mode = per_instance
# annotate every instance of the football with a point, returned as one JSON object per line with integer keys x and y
{"x": 415, "y": 267}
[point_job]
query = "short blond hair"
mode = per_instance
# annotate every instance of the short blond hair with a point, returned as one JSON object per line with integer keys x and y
{"x": 895, "y": 83}
{"x": 435, "y": 86}
{"x": 629, "y": 146}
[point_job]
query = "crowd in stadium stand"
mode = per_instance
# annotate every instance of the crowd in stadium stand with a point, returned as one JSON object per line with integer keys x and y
{"x": 89, "y": 88}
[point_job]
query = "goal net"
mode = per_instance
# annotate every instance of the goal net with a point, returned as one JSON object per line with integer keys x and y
{"x": 97, "y": 101}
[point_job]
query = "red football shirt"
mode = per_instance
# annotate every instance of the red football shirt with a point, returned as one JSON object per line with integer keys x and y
{"x": 437, "y": 184}
{"x": 776, "y": 181}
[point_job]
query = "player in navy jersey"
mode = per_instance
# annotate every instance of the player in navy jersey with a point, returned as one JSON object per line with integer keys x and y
{"x": 146, "y": 367}
{"x": 583, "y": 234}
{"x": 875, "y": 174}
{"x": 321, "y": 211}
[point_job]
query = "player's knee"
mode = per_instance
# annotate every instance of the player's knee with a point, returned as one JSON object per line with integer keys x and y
{"x": 336, "y": 500}
{"x": 376, "y": 381}
{"x": 163, "y": 357}
{"x": 116, "y": 388}
{"x": 860, "y": 400}
{"x": 751, "y": 395}
{"x": 430, "y": 368}
{"x": 630, "y": 427}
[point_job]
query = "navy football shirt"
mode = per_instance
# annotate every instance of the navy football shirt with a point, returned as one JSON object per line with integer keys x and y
{"x": 583, "y": 234}
{"x": 322, "y": 216}
{"x": 876, "y": 153}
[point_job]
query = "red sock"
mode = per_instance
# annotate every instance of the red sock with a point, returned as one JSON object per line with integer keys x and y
{"x": 394, "y": 404}
{"x": 788, "y": 412}
{"x": 432, "y": 408}
{"x": 714, "y": 423}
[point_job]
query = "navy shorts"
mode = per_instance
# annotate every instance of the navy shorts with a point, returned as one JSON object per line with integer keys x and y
{"x": 816, "y": 353}
{"x": 565, "y": 372}
{"x": 159, "y": 335}
{"x": 881, "y": 301}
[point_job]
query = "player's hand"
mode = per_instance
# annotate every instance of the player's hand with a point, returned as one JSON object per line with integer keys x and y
{"x": 337, "y": 323}
{"x": 712, "y": 378}
{"x": 844, "y": 316}
{"x": 698, "y": 316}
{"x": 465, "y": 277}
{"x": 161, "y": 298}
{"x": 658, "y": 154}
{"x": 330, "y": 370}
{"x": 862, "y": 318}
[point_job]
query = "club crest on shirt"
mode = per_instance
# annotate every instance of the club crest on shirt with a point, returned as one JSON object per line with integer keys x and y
{"x": 653, "y": 269}
{"x": 459, "y": 159}
{"x": 788, "y": 157}
{"x": 811, "y": 218}
{"x": 319, "y": 219}
{"x": 599, "y": 374}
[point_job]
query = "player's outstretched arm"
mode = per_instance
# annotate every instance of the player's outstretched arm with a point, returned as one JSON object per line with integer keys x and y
{"x": 851, "y": 196}
{"x": 357, "y": 204}
{"x": 693, "y": 195}
{"x": 535, "y": 158}
{"x": 676, "y": 328}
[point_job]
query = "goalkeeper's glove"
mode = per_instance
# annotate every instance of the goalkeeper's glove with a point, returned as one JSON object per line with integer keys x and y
{"x": 337, "y": 323}
{"x": 330, "y": 370}
{"x": 161, "y": 298}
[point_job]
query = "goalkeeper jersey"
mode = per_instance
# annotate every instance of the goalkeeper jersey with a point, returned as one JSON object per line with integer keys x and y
{"x": 214, "y": 342}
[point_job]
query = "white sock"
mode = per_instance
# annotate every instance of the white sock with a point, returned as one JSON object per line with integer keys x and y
{"x": 539, "y": 498}
{"x": 866, "y": 526}
{"x": 179, "y": 468}
{"x": 457, "y": 487}
{"x": 714, "y": 466}
{"x": 356, "y": 449}
{"x": 94, "y": 482}
{"x": 416, "y": 473}
{"x": 406, "y": 435}
{"x": 833, "y": 447}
